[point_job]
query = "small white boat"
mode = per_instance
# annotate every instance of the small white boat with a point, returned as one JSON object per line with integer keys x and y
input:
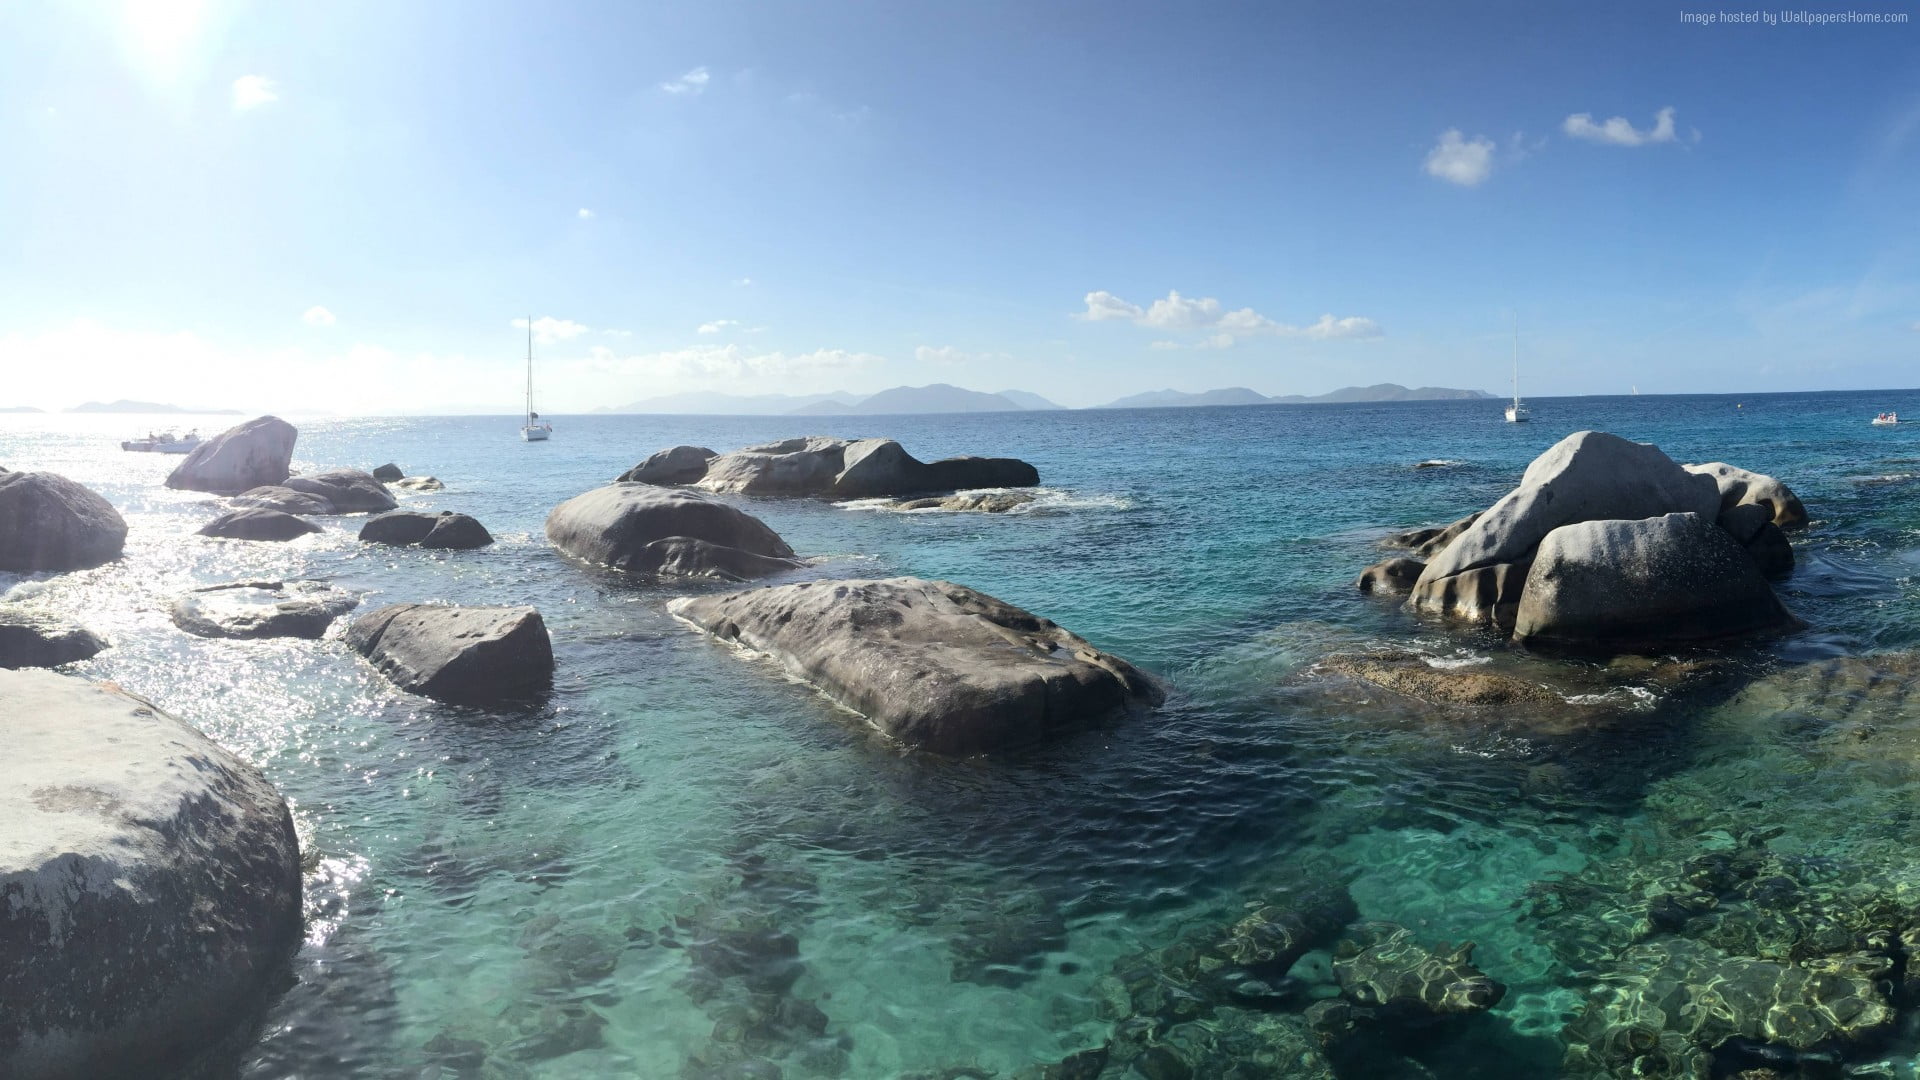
{"x": 1516, "y": 412}
{"x": 164, "y": 442}
{"x": 532, "y": 428}
{"x": 1886, "y": 418}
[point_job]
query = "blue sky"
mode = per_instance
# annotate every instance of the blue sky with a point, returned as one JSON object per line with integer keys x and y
{"x": 347, "y": 205}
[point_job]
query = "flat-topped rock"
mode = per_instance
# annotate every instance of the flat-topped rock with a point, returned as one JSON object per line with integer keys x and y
{"x": 930, "y": 663}
{"x": 32, "y": 639}
{"x": 48, "y": 522}
{"x": 674, "y": 465}
{"x": 262, "y": 609}
{"x": 252, "y": 524}
{"x": 469, "y": 655}
{"x": 351, "y": 491}
{"x": 250, "y": 455}
{"x": 284, "y": 499}
{"x": 618, "y": 526}
{"x": 858, "y": 468}
{"x": 149, "y": 884}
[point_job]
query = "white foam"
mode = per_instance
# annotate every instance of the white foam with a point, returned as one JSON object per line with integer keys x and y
{"x": 1439, "y": 463}
{"x": 1449, "y": 663}
{"x": 1045, "y": 501}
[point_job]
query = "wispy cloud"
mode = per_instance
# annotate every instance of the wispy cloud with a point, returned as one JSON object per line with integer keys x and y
{"x": 948, "y": 356}
{"x": 1224, "y": 328}
{"x": 718, "y": 326}
{"x": 547, "y": 330}
{"x": 586, "y": 214}
{"x": 1618, "y": 131}
{"x": 742, "y": 282}
{"x": 252, "y": 91}
{"x": 617, "y": 333}
{"x": 692, "y": 83}
{"x": 1459, "y": 160}
{"x": 318, "y": 316}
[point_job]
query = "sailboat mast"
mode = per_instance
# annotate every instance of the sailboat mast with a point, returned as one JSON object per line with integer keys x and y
{"x": 1516, "y": 359}
{"x": 529, "y": 409}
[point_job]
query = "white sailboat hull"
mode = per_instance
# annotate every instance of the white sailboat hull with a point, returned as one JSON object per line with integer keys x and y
{"x": 535, "y": 434}
{"x": 1517, "y": 414}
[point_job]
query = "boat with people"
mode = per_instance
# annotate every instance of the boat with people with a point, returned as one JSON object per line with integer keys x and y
{"x": 163, "y": 442}
{"x": 1886, "y": 418}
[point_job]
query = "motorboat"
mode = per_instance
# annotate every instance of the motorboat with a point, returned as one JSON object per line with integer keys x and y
{"x": 163, "y": 442}
{"x": 1886, "y": 419}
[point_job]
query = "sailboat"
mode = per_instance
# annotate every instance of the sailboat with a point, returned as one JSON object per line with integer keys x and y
{"x": 532, "y": 428}
{"x": 1516, "y": 412}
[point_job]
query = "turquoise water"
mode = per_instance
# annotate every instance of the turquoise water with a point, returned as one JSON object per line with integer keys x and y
{"x": 627, "y": 878}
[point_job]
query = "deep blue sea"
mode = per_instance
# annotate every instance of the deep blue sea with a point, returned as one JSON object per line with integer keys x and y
{"x": 540, "y": 892}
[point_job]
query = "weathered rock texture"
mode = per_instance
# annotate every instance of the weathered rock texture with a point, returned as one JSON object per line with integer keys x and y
{"x": 262, "y": 609}
{"x": 930, "y": 663}
{"x": 1739, "y": 487}
{"x": 475, "y": 655}
{"x": 863, "y": 468}
{"x": 149, "y": 884}
{"x": 48, "y": 522}
{"x": 256, "y": 453}
{"x": 624, "y": 526}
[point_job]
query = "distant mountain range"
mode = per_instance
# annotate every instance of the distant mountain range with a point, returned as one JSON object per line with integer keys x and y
{"x": 1240, "y": 395}
{"x": 124, "y": 406}
{"x": 713, "y": 403}
{"x": 21, "y": 409}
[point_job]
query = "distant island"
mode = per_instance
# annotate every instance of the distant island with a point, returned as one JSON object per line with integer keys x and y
{"x": 934, "y": 398}
{"x": 714, "y": 403}
{"x": 937, "y": 398}
{"x": 20, "y": 409}
{"x": 147, "y": 407}
{"x": 1240, "y": 395}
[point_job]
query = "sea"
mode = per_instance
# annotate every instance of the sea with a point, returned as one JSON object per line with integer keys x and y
{"x": 684, "y": 863}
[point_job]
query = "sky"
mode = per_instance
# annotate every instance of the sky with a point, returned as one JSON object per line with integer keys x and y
{"x": 355, "y": 207}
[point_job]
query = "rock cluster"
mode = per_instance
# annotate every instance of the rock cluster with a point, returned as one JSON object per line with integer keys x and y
{"x": 829, "y": 467}
{"x": 31, "y": 639}
{"x": 930, "y": 663}
{"x": 402, "y": 528}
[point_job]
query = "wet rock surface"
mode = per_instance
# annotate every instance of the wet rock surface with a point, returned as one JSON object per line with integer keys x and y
{"x": 350, "y": 491}
{"x": 982, "y": 502}
{"x": 34, "y": 639}
{"x": 1390, "y": 576}
{"x": 933, "y": 664}
{"x": 284, "y": 499}
{"x": 250, "y": 455}
{"x": 446, "y": 529}
{"x": 468, "y": 655}
{"x": 262, "y": 609}
{"x": 48, "y": 522}
{"x": 254, "y": 524}
{"x": 149, "y": 884}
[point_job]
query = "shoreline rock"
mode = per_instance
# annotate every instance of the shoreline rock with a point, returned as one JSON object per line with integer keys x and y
{"x": 30, "y": 639}
{"x": 445, "y": 530}
{"x": 464, "y": 655}
{"x": 48, "y": 522}
{"x": 675, "y": 465}
{"x": 149, "y": 884}
{"x": 255, "y": 454}
{"x": 350, "y": 491}
{"x": 934, "y": 665}
{"x": 819, "y": 465}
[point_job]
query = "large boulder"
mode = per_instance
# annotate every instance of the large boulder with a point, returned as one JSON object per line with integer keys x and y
{"x": 258, "y": 525}
{"x": 930, "y": 663}
{"x": 471, "y": 655}
{"x": 30, "y": 639}
{"x": 351, "y": 491}
{"x": 618, "y": 526}
{"x": 149, "y": 884}
{"x": 1587, "y": 476}
{"x": 1740, "y": 487}
{"x": 457, "y": 532}
{"x": 388, "y": 473}
{"x": 675, "y": 465}
{"x": 48, "y": 522}
{"x": 860, "y": 468}
{"x": 253, "y": 454}
{"x": 1634, "y": 585}
{"x": 685, "y": 557}
{"x": 284, "y": 499}
{"x": 262, "y": 609}
{"x": 443, "y": 530}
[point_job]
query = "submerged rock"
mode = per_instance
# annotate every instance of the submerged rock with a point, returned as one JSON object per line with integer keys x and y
{"x": 258, "y": 525}
{"x": 1409, "y": 674}
{"x": 935, "y": 665}
{"x": 443, "y": 530}
{"x": 250, "y": 455}
{"x": 29, "y": 639}
{"x": 1386, "y": 970}
{"x": 474, "y": 655}
{"x": 388, "y": 472}
{"x": 48, "y": 522}
{"x": 984, "y": 502}
{"x": 620, "y": 525}
{"x": 349, "y": 490}
{"x": 149, "y": 884}
{"x": 1426, "y": 543}
{"x": 849, "y": 469}
{"x": 1390, "y": 576}
{"x": 262, "y": 609}
{"x": 284, "y": 499}
{"x": 676, "y": 465}
{"x": 1647, "y": 584}
{"x": 418, "y": 483}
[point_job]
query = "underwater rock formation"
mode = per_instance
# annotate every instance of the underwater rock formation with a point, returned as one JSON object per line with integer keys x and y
{"x": 250, "y": 455}
{"x": 1386, "y": 970}
{"x": 853, "y": 469}
{"x": 262, "y": 609}
{"x": 1409, "y": 674}
{"x": 620, "y": 525}
{"x": 935, "y": 665}
{"x": 149, "y": 884}
{"x": 255, "y": 524}
{"x": 475, "y": 655}
{"x": 48, "y": 522}
{"x": 984, "y": 502}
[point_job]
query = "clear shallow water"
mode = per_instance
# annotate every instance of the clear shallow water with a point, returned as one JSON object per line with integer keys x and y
{"x": 609, "y": 883}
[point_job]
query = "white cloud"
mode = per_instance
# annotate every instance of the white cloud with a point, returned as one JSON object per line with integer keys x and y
{"x": 252, "y": 91}
{"x": 1228, "y": 328}
{"x": 547, "y": 330}
{"x": 618, "y": 333}
{"x": 693, "y": 82}
{"x": 742, "y": 282}
{"x": 1617, "y": 131}
{"x": 945, "y": 355}
{"x": 1459, "y": 160}
{"x": 318, "y": 316}
{"x": 586, "y": 214}
{"x": 718, "y": 325}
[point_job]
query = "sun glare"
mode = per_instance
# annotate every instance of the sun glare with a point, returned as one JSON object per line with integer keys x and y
{"x": 161, "y": 34}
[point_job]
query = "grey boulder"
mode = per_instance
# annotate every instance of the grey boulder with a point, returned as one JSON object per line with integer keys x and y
{"x": 31, "y": 639}
{"x": 284, "y": 499}
{"x": 862, "y": 468}
{"x": 932, "y": 664}
{"x": 351, "y": 491}
{"x": 1651, "y": 583}
{"x": 149, "y": 884}
{"x": 685, "y": 557}
{"x": 388, "y": 472}
{"x": 675, "y": 465}
{"x": 48, "y": 522}
{"x": 443, "y": 530}
{"x": 618, "y": 525}
{"x": 1428, "y": 542}
{"x": 1741, "y": 487}
{"x": 249, "y": 455}
{"x": 262, "y": 609}
{"x": 258, "y": 525}
{"x": 466, "y": 655}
